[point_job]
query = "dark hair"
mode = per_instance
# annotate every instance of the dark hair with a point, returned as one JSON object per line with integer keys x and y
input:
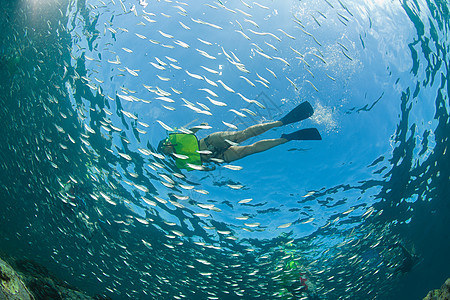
{"x": 161, "y": 145}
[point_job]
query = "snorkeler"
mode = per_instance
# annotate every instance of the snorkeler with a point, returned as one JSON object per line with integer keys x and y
{"x": 219, "y": 147}
{"x": 292, "y": 277}
{"x": 293, "y": 281}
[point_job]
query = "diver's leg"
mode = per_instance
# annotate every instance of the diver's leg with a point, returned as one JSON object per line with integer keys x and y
{"x": 237, "y": 152}
{"x": 254, "y": 130}
{"x": 222, "y": 139}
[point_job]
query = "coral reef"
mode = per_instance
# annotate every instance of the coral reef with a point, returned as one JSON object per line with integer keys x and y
{"x": 442, "y": 294}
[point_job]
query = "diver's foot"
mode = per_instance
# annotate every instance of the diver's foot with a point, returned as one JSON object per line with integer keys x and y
{"x": 308, "y": 134}
{"x": 301, "y": 112}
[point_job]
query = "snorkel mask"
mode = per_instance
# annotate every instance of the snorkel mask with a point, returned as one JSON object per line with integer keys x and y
{"x": 163, "y": 144}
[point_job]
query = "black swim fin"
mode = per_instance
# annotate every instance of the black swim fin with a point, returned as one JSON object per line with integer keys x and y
{"x": 310, "y": 134}
{"x": 301, "y": 112}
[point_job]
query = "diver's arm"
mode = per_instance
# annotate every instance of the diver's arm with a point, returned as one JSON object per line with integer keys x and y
{"x": 209, "y": 168}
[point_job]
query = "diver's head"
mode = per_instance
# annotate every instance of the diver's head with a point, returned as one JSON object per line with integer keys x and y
{"x": 166, "y": 147}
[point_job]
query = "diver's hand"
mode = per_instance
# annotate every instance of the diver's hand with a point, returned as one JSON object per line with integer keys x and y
{"x": 209, "y": 168}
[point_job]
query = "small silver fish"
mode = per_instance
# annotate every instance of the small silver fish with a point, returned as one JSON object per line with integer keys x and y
{"x": 248, "y": 80}
{"x": 285, "y": 225}
{"x": 230, "y": 125}
{"x": 194, "y": 75}
{"x": 204, "y": 42}
{"x": 163, "y": 125}
{"x": 209, "y": 92}
{"x": 218, "y": 103}
{"x": 182, "y": 44}
{"x": 210, "y": 70}
{"x": 226, "y": 86}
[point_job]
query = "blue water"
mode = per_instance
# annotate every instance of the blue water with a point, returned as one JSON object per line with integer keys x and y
{"x": 363, "y": 212}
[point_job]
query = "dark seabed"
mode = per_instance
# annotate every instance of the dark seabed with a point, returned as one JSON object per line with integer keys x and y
{"x": 89, "y": 88}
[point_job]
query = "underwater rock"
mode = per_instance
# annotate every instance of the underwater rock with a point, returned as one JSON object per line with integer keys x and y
{"x": 11, "y": 285}
{"x": 44, "y": 285}
{"x": 442, "y": 294}
{"x": 25, "y": 279}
